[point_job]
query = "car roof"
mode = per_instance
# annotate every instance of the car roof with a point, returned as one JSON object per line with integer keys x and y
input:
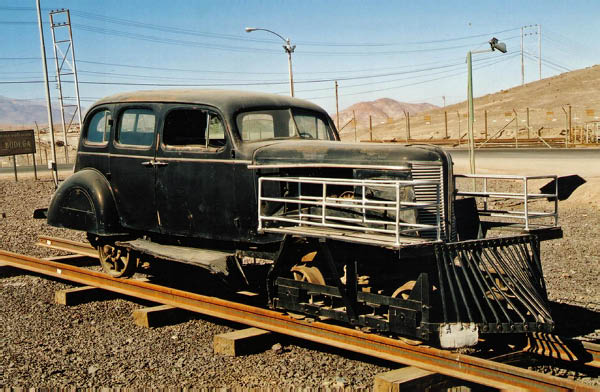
{"x": 229, "y": 101}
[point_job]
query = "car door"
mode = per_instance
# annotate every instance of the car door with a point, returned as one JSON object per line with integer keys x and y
{"x": 132, "y": 170}
{"x": 195, "y": 189}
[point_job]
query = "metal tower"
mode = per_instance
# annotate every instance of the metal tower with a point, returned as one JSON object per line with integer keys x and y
{"x": 66, "y": 70}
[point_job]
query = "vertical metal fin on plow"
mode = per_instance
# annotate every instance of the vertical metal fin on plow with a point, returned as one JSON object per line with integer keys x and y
{"x": 496, "y": 284}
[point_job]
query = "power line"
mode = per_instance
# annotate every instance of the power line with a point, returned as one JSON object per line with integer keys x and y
{"x": 406, "y": 78}
{"x": 178, "y": 30}
{"x": 259, "y": 82}
{"x": 415, "y": 83}
{"x": 233, "y": 72}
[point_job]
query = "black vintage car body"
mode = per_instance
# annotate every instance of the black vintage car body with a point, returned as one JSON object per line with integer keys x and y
{"x": 212, "y": 177}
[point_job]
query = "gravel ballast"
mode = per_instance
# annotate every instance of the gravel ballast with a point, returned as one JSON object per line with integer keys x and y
{"x": 97, "y": 344}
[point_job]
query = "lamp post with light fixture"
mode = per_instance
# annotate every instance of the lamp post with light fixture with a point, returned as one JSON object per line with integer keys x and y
{"x": 289, "y": 49}
{"x": 494, "y": 44}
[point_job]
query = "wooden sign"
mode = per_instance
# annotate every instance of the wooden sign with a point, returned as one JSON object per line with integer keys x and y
{"x": 17, "y": 142}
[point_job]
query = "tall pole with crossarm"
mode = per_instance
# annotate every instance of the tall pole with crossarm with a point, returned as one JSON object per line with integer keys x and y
{"x": 289, "y": 49}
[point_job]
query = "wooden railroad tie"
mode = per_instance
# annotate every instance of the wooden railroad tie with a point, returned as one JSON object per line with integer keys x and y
{"x": 79, "y": 295}
{"x": 159, "y": 316}
{"x": 243, "y": 342}
{"x": 412, "y": 378}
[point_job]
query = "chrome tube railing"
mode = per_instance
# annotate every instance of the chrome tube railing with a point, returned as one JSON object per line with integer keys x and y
{"x": 527, "y": 213}
{"x": 365, "y": 214}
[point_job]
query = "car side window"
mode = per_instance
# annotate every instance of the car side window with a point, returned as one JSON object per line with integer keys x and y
{"x": 98, "y": 128}
{"x": 257, "y": 126}
{"x": 136, "y": 127}
{"x": 193, "y": 129}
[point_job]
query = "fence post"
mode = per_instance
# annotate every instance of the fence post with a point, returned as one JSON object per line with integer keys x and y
{"x": 516, "y": 129}
{"x": 354, "y": 121}
{"x": 528, "y": 127}
{"x": 34, "y": 167}
{"x": 458, "y": 114}
{"x": 446, "y": 123}
{"x": 486, "y": 124}
{"x": 571, "y": 126}
{"x": 14, "y": 159}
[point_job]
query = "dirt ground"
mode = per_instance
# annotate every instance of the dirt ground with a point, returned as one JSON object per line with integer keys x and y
{"x": 98, "y": 345}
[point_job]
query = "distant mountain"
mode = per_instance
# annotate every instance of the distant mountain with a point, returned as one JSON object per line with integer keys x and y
{"x": 381, "y": 111}
{"x": 26, "y": 112}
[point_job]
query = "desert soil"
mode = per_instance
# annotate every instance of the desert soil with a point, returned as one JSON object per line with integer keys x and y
{"x": 96, "y": 344}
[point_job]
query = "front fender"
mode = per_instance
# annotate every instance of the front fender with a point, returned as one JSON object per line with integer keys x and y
{"x": 85, "y": 201}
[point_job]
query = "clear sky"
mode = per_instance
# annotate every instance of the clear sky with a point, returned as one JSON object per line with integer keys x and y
{"x": 407, "y": 50}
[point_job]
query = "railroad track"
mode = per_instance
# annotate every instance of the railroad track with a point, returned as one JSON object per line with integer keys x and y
{"x": 481, "y": 371}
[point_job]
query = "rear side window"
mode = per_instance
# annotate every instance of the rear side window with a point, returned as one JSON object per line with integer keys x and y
{"x": 98, "y": 128}
{"x": 136, "y": 127}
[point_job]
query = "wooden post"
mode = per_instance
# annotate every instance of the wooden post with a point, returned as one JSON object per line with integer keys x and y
{"x": 446, "y": 124}
{"x": 34, "y": 167}
{"x": 516, "y": 129}
{"x": 458, "y": 114}
{"x": 566, "y": 127}
{"x": 14, "y": 158}
{"x": 486, "y": 124}
{"x": 370, "y": 128}
{"x": 39, "y": 141}
{"x": 407, "y": 126}
{"x": 354, "y": 121}
{"x": 337, "y": 107}
{"x": 571, "y": 126}
{"x": 528, "y": 126}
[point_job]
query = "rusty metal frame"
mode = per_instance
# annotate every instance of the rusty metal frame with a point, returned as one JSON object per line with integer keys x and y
{"x": 485, "y": 372}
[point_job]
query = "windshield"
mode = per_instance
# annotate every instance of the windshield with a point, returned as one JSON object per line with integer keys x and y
{"x": 282, "y": 124}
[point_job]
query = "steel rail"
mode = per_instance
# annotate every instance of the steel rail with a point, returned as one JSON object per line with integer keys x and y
{"x": 541, "y": 344}
{"x": 481, "y": 371}
{"x": 67, "y": 245}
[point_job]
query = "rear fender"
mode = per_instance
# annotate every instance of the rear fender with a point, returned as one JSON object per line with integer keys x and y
{"x": 85, "y": 201}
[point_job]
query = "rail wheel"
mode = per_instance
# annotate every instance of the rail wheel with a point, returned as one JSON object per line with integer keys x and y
{"x": 404, "y": 290}
{"x": 308, "y": 274}
{"x": 117, "y": 262}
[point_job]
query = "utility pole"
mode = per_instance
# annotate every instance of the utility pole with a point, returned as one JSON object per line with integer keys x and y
{"x": 540, "y": 49}
{"x": 51, "y": 164}
{"x": 64, "y": 59}
{"x": 444, "y": 98}
{"x": 522, "y": 62}
{"x": 337, "y": 106}
{"x": 370, "y": 128}
{"x": 471, "y": 115}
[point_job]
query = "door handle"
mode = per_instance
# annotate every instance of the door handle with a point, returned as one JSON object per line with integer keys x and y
{"x": 154, "y": 163}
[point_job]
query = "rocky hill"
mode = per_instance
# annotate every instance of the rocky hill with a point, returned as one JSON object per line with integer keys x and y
{"x": 540, "y": 106}
{"x": 382, "y": 111}
{"x": 17, "y": 112}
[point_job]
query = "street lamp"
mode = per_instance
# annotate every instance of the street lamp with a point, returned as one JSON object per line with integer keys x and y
{"x": 289, "y": 49}
{"x": 494, "y": 44}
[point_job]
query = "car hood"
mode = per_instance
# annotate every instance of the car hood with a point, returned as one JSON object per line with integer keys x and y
{"x": 288, "y": 152}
